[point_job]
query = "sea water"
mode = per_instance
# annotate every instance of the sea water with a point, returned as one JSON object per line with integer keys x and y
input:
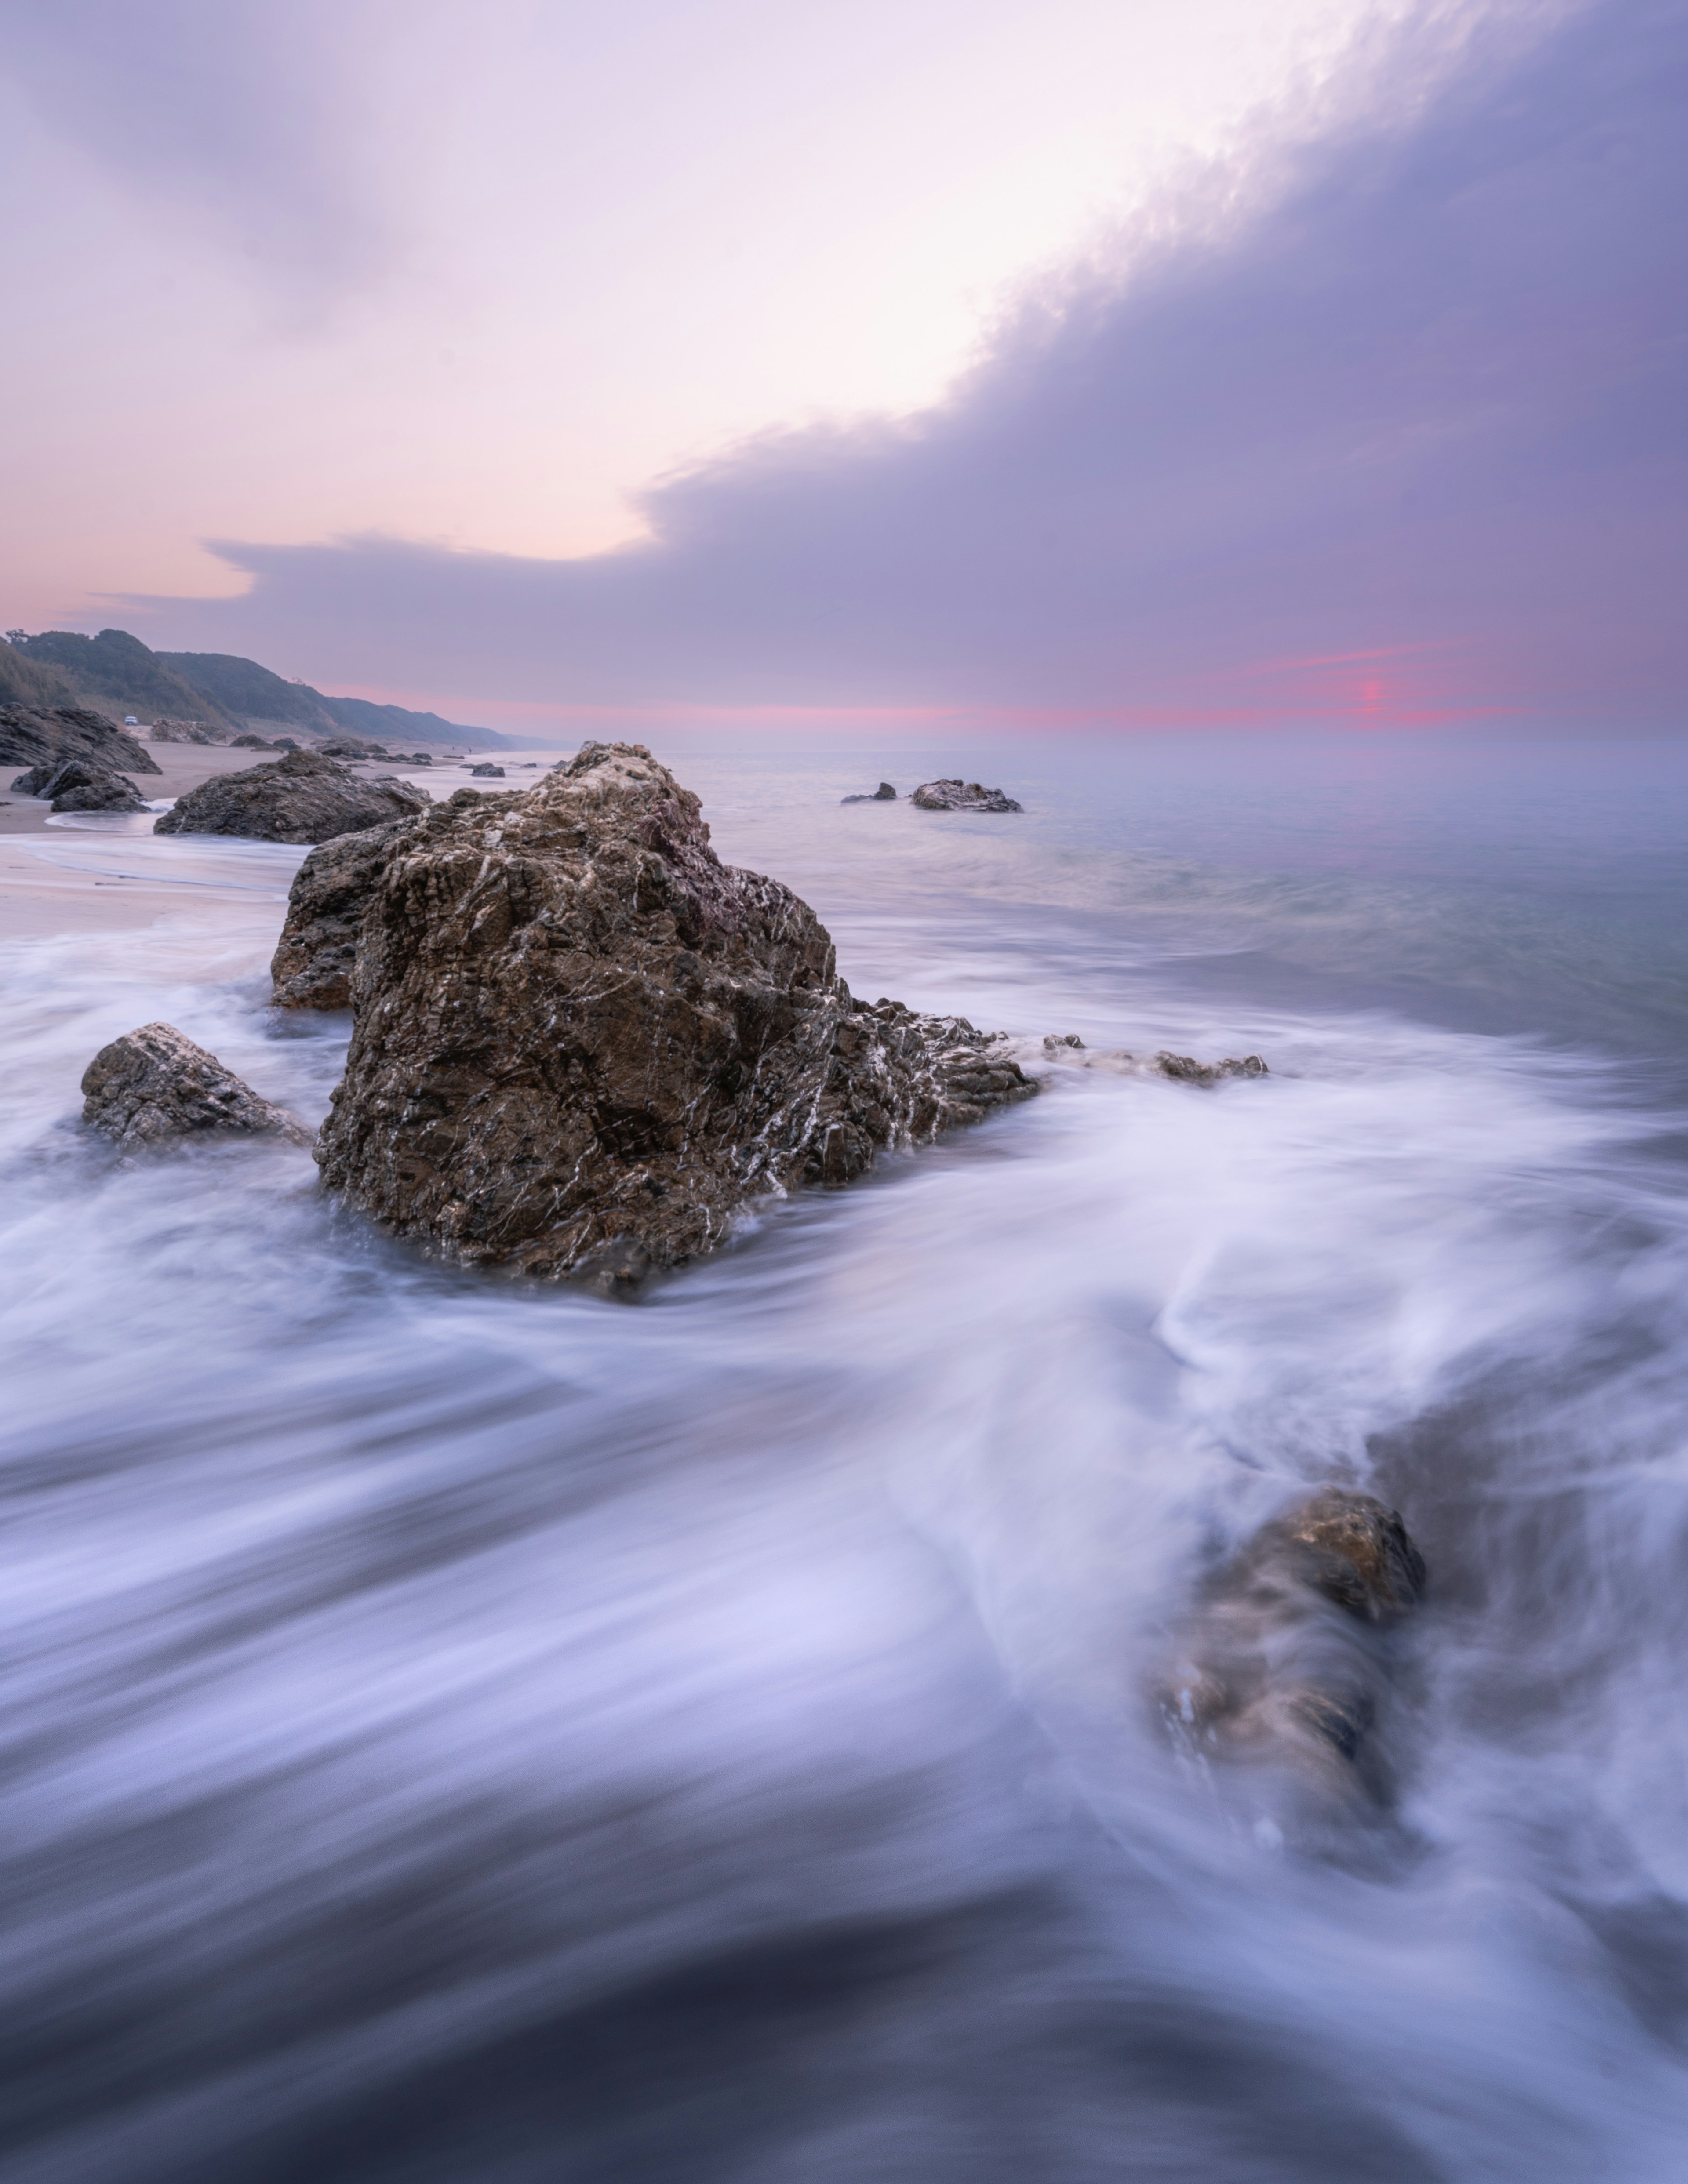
{"x": 467, "y": 1734}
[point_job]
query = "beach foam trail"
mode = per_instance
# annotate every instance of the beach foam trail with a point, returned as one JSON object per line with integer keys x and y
{"x": 457, "y": 1731}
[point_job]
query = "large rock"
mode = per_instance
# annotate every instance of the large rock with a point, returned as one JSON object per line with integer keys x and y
{"x": 963, "y": 796}
{"x": 154, "y": 1084}
{"x": 1291, "y": 1658}
{"x": 302, "y": 798}
{"x": 45, "y": 736}
{"x": 312, "y": 965}
{"x": 582, "y": 1041}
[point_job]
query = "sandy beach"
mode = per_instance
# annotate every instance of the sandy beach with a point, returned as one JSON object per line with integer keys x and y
{"x": 92, "y": 872}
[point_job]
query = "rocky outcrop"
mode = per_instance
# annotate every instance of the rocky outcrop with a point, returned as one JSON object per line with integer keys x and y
{"x": 154, "y": 1085}
{"x": 884, "y": 794}
{"x": 488, "y": 772}
{"x": 1290, "y": 1657}
{"x": 42, "y": 736}
{"x": 582, "y": 1042}
{"x": 313, "y": 962}
{"x": 254, "y": 742}
{"x": 303, "y": 798}
{"x": 963, "y": 796}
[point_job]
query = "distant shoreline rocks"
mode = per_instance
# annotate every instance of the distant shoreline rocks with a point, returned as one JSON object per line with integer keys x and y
{"x": 884, "y": 794}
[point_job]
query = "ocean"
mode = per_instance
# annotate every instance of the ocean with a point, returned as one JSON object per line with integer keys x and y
{"x": 461, "y": 1733}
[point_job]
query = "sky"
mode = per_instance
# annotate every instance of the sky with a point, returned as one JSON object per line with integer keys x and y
{"x": 1116, "y": 362}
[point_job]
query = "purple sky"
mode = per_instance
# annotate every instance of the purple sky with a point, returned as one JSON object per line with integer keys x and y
{"x": 1404, "y": 439}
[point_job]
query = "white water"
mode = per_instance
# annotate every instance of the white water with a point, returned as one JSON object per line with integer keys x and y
{"x": 460, "y": 1732}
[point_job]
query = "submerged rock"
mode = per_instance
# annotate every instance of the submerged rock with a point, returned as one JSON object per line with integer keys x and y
{"x": 575, "y": 1028}
{"x": 154, "y": 1084}
{"x": 1183, "y": 1070}
{"x": 963, "y": 796}
{"x": 302, "y": 798}
{"x": 1067, "y": 1048}
{"x": 884, "y": 794}
{"x": 312, "y": 965}
{"x": 38, "y": 736}
{"x": 1289, "y": 1657}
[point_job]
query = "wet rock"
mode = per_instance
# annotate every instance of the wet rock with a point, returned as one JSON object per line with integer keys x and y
{"x": 575, "y": 1028}
{"x": 1290, "y": 1657}
{"x": 1183, "y": 1070}
{"x": 251, "y": 743}
{"x": 154, "y": 1085}
{"x": 488, "y": 772}
{"x": 303, "y": 798}
{"x": 1054, "y": 1040}
{"x": 963, "y": 796}
{"x": 312, "y": 965}
{"x": 884, "y": 794}
{"x": 37, "y": 737}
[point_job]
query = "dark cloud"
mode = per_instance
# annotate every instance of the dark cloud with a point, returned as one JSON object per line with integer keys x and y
{"x": 1417, "y": 429}
{"x": 242, "y": 113}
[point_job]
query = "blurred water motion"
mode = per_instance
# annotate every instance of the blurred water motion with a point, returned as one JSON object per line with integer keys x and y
{"x": 461, "y": 1732}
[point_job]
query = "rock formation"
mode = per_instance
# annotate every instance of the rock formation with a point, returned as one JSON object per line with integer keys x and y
{"x": 45, "y": 736}
{"x": 312, "y": 965}
{"x": 884, "y": 794}
{"x": 488, "y": 771}
{"x": 302, "y": 798}
{"x": 154, "y": 1084}
{"x": 963, "y": 796}
{"x": 76, "y": 784}
{"x": 1290, "y": 1657}
{"x": 582, "y": 1043}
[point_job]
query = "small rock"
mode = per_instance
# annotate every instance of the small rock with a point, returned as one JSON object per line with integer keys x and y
{"x": 488, "y": 772}
{"x": 250, "y": 742}
{"x": 963, "y": 796}
{"x": 1054, "y": 1039}
{"x": 1183, "y": 1069}
{"x": 884, "y": 794}
{"x": 154, "y": 1084}
{"x": 79, "y": 784}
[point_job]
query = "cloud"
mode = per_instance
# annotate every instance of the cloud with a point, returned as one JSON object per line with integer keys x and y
{"x": 1408, "y": 438}
{"x": 246, "y": 116}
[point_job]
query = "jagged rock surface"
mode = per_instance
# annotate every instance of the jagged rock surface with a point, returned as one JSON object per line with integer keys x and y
{"x": 963, "y": 796}
{"x": 1289, "y": 1658}
{"x": 302, "y": 798}
{"x": 312, "y": 965}
{"x": 75, "y": 784}
{"x": 34, "y": 737}
{"x": 154, "y": 1084}
{"x": 884, "y": 794}
{"x": 580, "y": 1041}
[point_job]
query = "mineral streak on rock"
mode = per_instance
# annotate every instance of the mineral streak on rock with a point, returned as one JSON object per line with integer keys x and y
{"x": 952, "y": 795}
{"x": 580, "y": 1039}
{"x": 154, "y": 1084}
{"x": 302, "y": 798}
{"x": 312, "y": 965}
{"x": 1289, "y": 1657}
{"x": 884, "y": 794}
{"x": 45, "y": 736}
